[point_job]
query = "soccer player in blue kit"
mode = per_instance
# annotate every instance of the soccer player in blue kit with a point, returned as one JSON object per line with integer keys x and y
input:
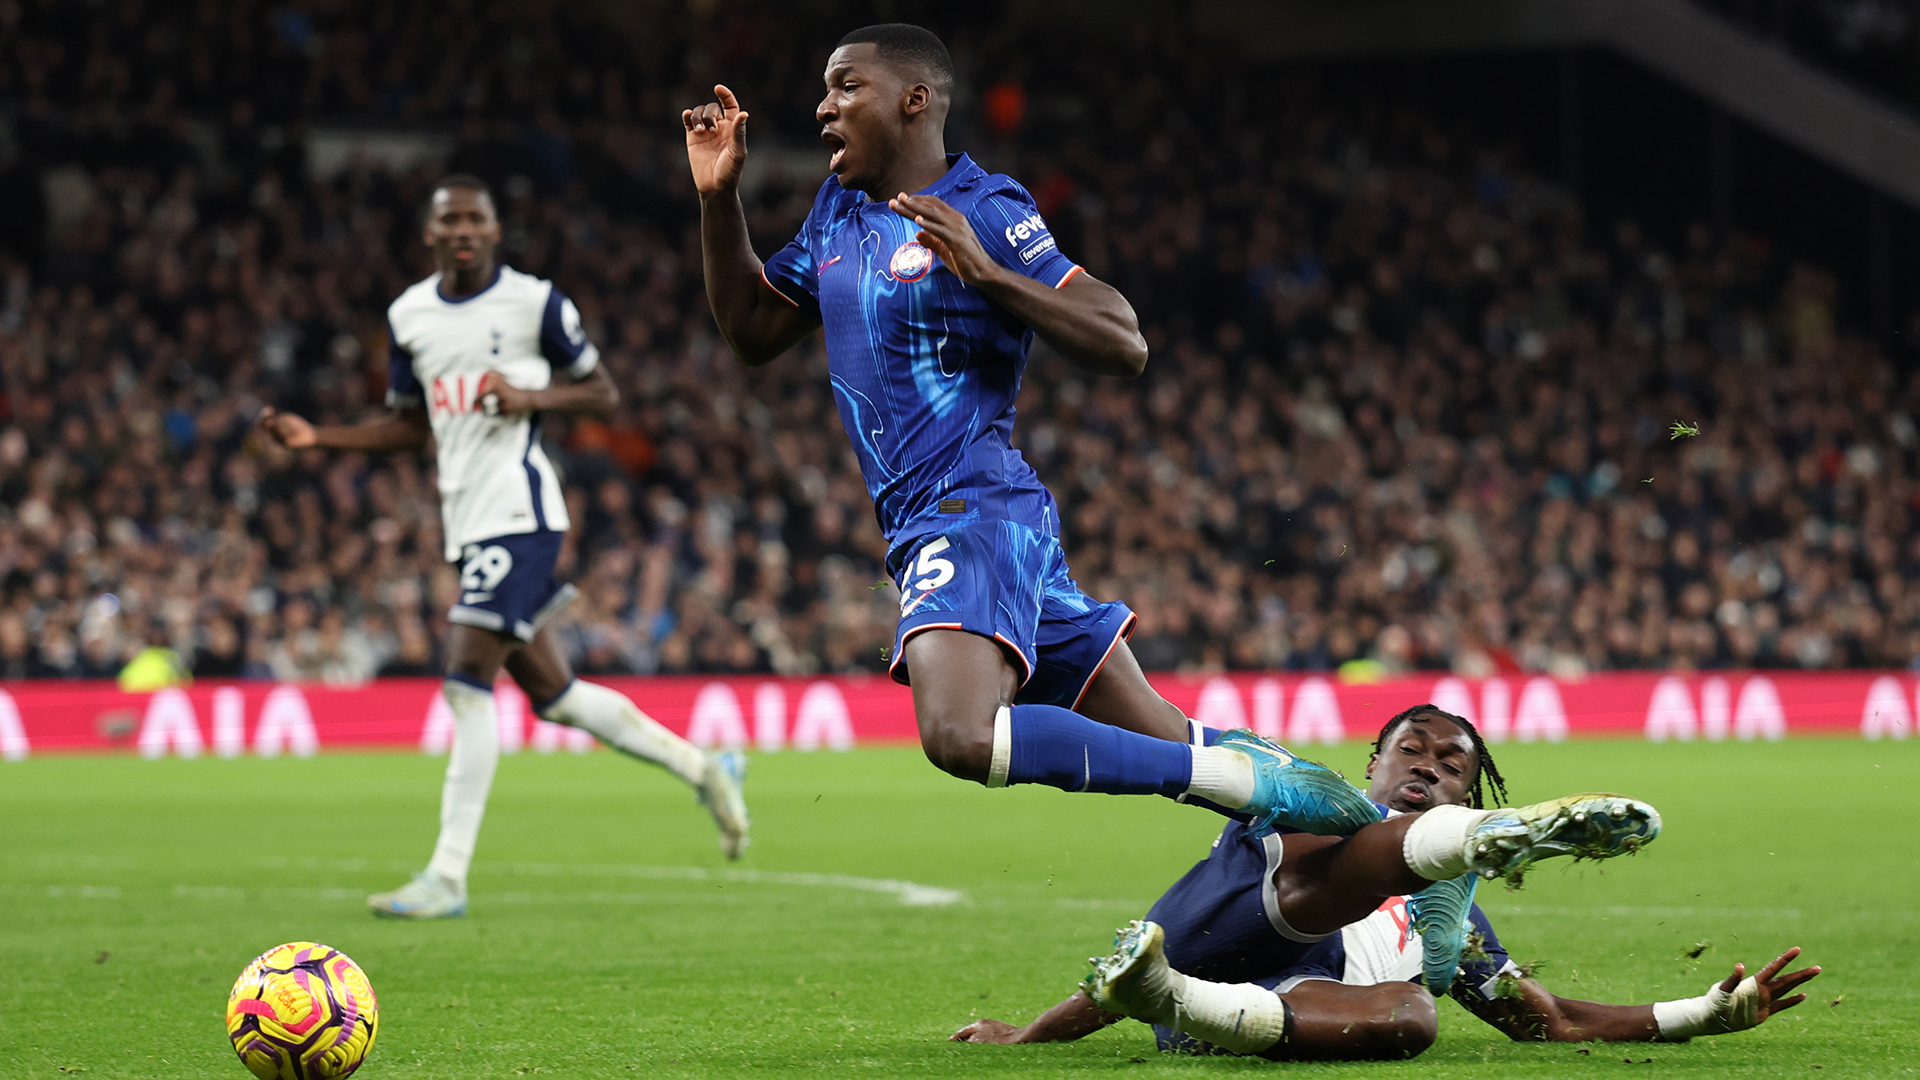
{"x": 930, "y": 277}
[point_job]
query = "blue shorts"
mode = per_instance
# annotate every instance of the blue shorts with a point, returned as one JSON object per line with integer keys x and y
{"x": 507, "y": 584}
{"x": 1009, "y": 582}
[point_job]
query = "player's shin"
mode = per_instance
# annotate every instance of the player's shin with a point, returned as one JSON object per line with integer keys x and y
{"x": 470, "y": 767}
{"x": 1436, "y": 843}
{"x": 1240, "y": 1018}
{"x": 1045, "y": 744}
{"x": 613, "y": 719}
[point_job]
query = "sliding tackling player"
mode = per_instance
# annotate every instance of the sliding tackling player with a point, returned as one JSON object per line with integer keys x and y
{"x": 1303, "y": 946}
{"x": 479, "y": 351}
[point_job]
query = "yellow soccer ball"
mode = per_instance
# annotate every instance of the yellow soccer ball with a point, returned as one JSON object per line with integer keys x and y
{"x": 302, "y": 1011}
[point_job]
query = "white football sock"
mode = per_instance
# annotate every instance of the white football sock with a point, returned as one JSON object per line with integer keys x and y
{"x": 470, "y": 766}
{"x": 1240, "y": 1018}
{"x": 1435, "y": 846}
{"x": 613, "y": 719}
{"x": 1221, "y": 776}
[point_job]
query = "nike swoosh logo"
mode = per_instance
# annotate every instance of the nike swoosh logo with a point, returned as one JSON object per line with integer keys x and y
{"x": 829, "y": 262}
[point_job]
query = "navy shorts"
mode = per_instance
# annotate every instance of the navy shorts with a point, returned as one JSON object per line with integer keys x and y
{"x": 1223, "y": 922}
{"x": 1009, "y": 582}
{"x": 507, "y": 584}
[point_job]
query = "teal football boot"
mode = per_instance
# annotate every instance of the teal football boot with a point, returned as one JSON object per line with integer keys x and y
{"x": 1295, "y": 793}
{"x": 1440, "y": 915}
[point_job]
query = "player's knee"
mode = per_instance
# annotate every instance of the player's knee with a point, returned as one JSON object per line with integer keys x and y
{"x": 957, "y": 746}
{"x": 470, "y": 669}
{"x": 1410, "y": 1024}
{"x": 542, "y": 690}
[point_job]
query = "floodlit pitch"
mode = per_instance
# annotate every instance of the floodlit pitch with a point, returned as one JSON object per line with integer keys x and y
{"x": 882, "y": 907}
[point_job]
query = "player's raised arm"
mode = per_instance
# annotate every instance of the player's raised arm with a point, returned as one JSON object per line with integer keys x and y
{"x": 1528, "y": 1012}
{"x": 1087, "y": 320}
{"x": 757, "y": 322}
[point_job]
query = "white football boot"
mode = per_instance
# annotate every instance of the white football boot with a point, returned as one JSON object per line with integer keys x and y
{"x": 1590, "y": 826}
{"x": 720, "y": 793}
{"x": 1135, "y": 980}
{"x": 427, "y": 896}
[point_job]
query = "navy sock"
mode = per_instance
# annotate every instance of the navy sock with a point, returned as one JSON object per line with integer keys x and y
{"x": 1060, "y": 748}
{"x": 1206, "y": 736}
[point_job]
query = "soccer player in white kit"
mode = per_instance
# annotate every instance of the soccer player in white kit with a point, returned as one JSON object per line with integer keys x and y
{"x": 479, "y": 351}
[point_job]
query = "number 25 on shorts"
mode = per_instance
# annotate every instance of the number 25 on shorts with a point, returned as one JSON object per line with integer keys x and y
{"x": 936, "y": 571}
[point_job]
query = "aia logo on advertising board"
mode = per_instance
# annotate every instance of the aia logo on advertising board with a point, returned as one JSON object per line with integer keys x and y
{"x": 911, "y": 262}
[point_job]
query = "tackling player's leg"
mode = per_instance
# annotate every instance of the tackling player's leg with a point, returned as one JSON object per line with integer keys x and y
{"x": 1325, "y": 883}
{"x": 610, "y": 716}
{"x": 1314, "y": 1018}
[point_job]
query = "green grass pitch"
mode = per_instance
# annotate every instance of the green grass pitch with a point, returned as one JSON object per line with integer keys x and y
{"x": 608, "y": 938}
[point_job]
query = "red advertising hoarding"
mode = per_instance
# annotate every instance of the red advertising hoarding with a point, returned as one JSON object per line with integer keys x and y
{"x": 837, "y": 713}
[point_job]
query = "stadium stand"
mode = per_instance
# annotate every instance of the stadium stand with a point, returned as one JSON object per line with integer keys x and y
{"x": 1408, "y": 406}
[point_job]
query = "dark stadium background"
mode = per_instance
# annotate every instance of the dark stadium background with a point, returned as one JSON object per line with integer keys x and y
{"x": 1421, "y": 325}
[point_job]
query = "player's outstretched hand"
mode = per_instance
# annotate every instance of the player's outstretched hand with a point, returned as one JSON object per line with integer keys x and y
{"x": 716, "y": 142}
{"x": 508, "y": 400}
{"x": 948, "y": 234}
{"x": 287, "y": 429}
{"x": 1750, "y": 1009}
{"x": 984, "y": 1030}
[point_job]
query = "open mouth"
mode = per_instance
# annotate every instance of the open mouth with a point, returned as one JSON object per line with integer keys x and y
{"x": 837, "y": 148}
{"x": 1415, "y": 794}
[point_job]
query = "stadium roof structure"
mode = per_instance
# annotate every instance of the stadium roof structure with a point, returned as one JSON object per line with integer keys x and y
{"x": 1749, "y": 77}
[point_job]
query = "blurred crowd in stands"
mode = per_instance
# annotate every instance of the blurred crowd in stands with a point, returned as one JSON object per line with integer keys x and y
{"x": 1407, "y": 407}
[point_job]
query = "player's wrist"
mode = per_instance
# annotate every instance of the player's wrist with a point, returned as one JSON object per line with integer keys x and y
{"x": 994, "y": 280}
{"x": 1682, "y": 1018}
{"x": 1715, "y": 1012}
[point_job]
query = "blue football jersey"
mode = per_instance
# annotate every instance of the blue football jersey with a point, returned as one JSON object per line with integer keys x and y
{"x": 925, "y": 369}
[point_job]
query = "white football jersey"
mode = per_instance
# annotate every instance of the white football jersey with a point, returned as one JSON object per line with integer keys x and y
{"x": 1384, "y": 947}
{"x": 495, "y": 479}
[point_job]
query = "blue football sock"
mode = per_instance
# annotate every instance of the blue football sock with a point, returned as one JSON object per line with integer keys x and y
{"x": 1060, "y": 748}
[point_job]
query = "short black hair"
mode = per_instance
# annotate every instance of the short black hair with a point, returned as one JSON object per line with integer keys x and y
{"x": 459, "y": 182}
{"x": 905, "y": 42}
{"x": 1487, "y": 775}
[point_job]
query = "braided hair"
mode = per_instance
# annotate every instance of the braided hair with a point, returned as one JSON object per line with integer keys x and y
{"x": 1486, "y": 776}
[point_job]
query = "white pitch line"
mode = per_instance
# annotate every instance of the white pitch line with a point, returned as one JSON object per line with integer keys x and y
{"x": 66, "y": 892}
{"x": 910, "y": 893}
